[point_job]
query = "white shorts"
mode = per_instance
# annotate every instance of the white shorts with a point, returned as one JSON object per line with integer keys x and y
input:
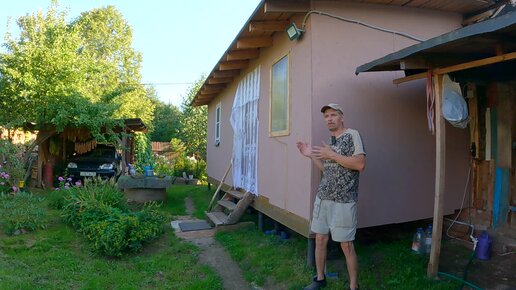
{"x": 338, "y": 218}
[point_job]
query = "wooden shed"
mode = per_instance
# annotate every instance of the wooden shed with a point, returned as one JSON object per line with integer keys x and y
{"x": 482, "y": 58}
{"x": 54, "y": 146}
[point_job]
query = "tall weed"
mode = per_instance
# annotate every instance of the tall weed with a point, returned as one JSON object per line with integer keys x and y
{"x": 21, "y": 212}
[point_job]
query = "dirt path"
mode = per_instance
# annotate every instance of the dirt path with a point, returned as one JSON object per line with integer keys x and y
{"x": 212, "y": 253}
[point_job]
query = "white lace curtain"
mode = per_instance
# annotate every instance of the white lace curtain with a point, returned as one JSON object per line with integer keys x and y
{"x": 244, "y": 120}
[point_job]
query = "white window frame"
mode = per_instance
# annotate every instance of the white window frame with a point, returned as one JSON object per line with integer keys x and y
{"x": 218, "y": 117}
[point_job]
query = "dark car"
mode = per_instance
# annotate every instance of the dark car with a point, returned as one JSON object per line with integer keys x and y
{"x": 102, "y": 161}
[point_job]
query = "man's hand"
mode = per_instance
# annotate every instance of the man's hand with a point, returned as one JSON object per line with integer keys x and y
{"x": 323, "y": 152}
{"x": 304, "y": 148}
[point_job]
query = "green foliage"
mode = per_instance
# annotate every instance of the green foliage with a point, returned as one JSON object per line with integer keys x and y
{"x": 56, "y": 198}
{"x": 99, "y": 211}
{"x": 177, "y": 146}
{"x": 194, "y": 123}
{"x": 57, "y": 258}
{"x": 21, "y": 212}
{"x": 12, "y": 170}
{"x": 142, "y": 151}
{"x": 78, "y": 74}
{"x": 166, "y": 122}
{"x": 200, "y": 195}
{"x": 163, "y": 166}
{"x": 200, "y": 170}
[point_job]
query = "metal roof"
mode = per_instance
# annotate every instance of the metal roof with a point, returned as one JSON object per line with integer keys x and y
{"x": 478, "y": 41}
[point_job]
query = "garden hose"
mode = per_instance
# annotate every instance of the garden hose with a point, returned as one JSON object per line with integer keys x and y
{"x": 460, "y": 280}
{"x": 465, "y": 276}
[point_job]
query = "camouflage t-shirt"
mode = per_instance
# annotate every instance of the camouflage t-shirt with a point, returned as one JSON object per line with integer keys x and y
{"x": 339, "y": 183}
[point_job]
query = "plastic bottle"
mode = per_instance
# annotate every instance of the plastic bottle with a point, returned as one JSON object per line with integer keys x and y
{"x": 417, "y": 242}
{"x": 428, "y": 239}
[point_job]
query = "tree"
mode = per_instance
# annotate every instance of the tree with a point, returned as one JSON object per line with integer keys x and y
{"x": 82, "y": 74}
{"x": 194, "y": 123}
{"x": 166, "y": 122}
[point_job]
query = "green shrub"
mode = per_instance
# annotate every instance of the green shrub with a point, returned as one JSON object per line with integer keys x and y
{"x": 56, "y": 198}
{"x": 12, "y": 155}
{"x": 21, "y": 212}
{"x": 102, "y": 215}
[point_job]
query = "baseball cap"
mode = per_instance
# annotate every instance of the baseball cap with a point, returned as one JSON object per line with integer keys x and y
{"x": 334, "y": 106}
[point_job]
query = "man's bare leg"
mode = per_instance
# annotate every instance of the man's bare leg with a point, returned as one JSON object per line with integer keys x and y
{"x": 321, "y": 243}
{"x": 351, "y": 263}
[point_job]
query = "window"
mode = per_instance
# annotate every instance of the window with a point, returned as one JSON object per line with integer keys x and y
{"x": 279, "y": 98}
{"x": 217, "y": 125}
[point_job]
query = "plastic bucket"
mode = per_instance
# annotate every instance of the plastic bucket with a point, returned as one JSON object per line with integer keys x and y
{"x": 483, "y": 250}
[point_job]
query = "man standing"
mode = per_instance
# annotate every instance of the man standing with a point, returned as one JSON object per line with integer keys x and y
{"x": 335, "y": 207}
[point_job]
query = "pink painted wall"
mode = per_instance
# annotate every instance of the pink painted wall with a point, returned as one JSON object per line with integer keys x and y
{"x": 398, "y": 184}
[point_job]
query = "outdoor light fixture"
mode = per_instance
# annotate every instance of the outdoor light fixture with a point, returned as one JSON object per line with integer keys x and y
{"x": 293, "y": 32}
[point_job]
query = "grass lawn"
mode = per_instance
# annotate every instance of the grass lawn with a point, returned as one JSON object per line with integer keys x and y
{"x": 59, "y": 258}
{"x": 266, "y": 260}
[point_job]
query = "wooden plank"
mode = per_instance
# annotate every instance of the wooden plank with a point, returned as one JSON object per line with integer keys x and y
{"x": 227, "y": 204}
{"x": 243, "y": 54}
{"x": 488, "y": 134}
{"x": 240, "y": 208}
{"x": 235, "y": 193}
{"x": 213, "y": 81}
{"x": 268, "y": 26}
{"x": 409, "y": 78}
{"x": 254, "y": 42}
{"x": 503, "y": 128}
{"x": 440, "y": 160}
{"x": 473, "y": 118}
{"x": 458, "y": 67}
{"x": 214, "y": 86}
{"x": 233, "y": 64}
{"x": 216, "y": 217}
{"x": 226, "y": 73}
{"x": 210, "y": 91}
{"x": 286, "y": 218}
{"x": 220, "y": 185}
{"x": 291, "y": 6}
{"x": 490, "y": 187}
{"x": 476, "y": 184}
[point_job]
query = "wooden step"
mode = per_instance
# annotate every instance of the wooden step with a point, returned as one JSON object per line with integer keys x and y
{"x": 227, "y": 204}
{"x": 218, "y": 218}
{"x": 236, "y": 194}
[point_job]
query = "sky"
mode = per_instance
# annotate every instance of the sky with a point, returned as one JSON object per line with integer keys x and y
{"x": 179, "y": 40}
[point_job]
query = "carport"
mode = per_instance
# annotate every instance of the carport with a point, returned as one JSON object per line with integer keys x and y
{"x": 481, "y": 57}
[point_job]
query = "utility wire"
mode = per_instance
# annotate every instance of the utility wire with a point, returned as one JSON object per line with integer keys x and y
{"x": 359, "y": 23}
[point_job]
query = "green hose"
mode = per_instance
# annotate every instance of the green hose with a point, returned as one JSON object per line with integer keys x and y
{"x": 460, "y": 280}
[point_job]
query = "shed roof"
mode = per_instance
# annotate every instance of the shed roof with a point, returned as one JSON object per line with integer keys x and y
{"x": 271, "y": 16}
{"x": 482, "y": 40}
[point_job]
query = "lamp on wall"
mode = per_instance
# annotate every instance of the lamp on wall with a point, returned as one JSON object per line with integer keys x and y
{"x": 293, "y": 32}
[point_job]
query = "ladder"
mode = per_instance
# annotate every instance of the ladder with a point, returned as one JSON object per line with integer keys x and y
{"x": 230, "y": 207}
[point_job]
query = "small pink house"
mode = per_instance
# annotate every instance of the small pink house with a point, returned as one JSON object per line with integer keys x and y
{"x": 266, "y": 91}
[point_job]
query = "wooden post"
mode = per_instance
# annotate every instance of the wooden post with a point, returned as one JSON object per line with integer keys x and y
{"x": 440, "y": 158}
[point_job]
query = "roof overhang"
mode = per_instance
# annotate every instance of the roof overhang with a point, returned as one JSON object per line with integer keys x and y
{"x": 489, "y": 47}
{"x": 271, "y": 16}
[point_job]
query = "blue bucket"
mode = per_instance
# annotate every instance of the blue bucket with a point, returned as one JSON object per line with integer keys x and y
{"x": 148, "y": 171}
{"x": 483, "y": 250}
